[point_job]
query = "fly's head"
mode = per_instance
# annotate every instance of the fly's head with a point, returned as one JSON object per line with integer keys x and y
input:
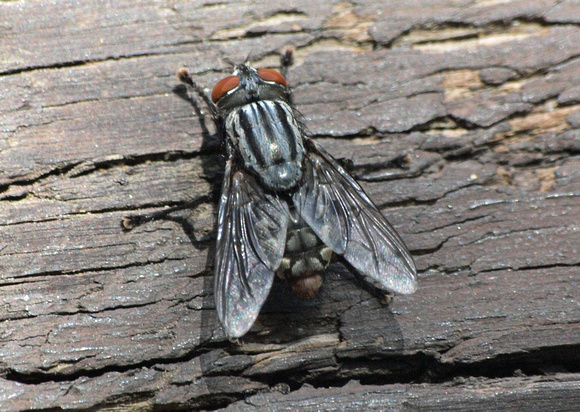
{"x": 247, "y": 85}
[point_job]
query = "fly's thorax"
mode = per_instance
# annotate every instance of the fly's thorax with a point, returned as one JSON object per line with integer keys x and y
{"x": 269, "y": 140}
{"x": 305, "y": 258}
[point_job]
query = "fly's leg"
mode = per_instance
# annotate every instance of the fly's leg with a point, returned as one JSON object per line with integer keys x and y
{"x": 184, "y": 77}
{"x": 286, "y": 60}
{"x": 132, "y": 221}
{"x": 129, "y": 222}
{"x": 346, "y": 163}
{"x": 371, "y": 286}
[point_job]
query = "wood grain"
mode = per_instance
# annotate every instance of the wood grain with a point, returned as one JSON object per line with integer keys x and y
{"x": 462, "y": 120}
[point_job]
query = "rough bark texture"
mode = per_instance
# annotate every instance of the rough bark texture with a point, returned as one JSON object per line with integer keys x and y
{"x": 462, "y": 119}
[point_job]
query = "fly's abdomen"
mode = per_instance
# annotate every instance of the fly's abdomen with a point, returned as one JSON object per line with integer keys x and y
{"x": 305, "y": 258}
{"x": 268, "y": 138}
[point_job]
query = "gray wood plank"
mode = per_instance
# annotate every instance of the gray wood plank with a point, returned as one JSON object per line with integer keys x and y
{"x": 462, "y": 123}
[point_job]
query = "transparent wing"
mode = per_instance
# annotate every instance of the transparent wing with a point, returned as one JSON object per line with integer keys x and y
{"x": 250, "y": 245}
{"x": 346, "y": 220}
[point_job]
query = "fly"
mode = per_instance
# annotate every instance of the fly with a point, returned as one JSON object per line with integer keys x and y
{"x": 286, "y": 204}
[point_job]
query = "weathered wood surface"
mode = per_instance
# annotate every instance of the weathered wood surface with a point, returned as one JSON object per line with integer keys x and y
{"x": 462, "y": 119}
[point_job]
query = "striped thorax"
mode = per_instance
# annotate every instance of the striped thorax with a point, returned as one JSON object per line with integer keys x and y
{"x": 267, "y": 136}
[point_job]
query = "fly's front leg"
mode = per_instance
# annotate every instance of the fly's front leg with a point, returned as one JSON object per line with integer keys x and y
{"x": 184, "y": 77}
{"x": 286, "y": 60}
{"x": 129, "y": 222}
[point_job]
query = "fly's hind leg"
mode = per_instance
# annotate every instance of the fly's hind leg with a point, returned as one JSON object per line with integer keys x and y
{"x": 372, "y": 286}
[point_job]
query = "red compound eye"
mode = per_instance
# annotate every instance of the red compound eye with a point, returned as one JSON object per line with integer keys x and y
{"x": 223, "y": 86}
{"x": 270, "y": 75}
